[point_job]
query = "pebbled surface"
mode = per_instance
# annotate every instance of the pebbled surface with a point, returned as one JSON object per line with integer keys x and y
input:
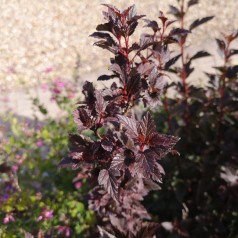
{"x": 41, "y": 36}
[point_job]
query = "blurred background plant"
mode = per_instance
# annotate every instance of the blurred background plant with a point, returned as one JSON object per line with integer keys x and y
{"x": 35, "y": 197}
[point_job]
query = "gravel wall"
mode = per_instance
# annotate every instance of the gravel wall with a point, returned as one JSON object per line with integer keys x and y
{"x": 38, "y": 37}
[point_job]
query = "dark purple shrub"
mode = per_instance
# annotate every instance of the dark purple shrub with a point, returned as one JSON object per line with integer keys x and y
{"x": 199, "y": 194}
{"x": 115, "y": 150}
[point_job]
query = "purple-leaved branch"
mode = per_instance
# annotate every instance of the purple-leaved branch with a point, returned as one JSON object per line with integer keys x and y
{"x": 118, "y": 153}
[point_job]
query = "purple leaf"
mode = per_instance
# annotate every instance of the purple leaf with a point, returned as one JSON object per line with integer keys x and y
{"x": 118, "y": 163}
{"x": 82, "y": 119}
{"x": 108, "y": 45}
{"x": 68, "y": 162}
{"x": 105, "y": 77}
{"x": 130, "y": 125}
{"x": 100, "y": 104}
{"x": 109, "y": 182}
{"x": 102, "y": 35}
{"x": 152, "y": 24}
{"x": 107, "y": 145}
{"x": 174, "y": 11}
{"x": 168, "y": 23}
{"x": 145, "y": 40}
{"x": 147, "y": 126}
{"x": 88, "y": 91}
{"x": 146, "y": 68}
{"x": 171, "y": 62}
{"x": 133, "y": 85}
{"x": 150, "y": 185}
{"x": 120, "y": 71}
{"x": 178, "y": 31}
{"x": 112, "y": 8}
{"x": 162, "y": 144}
{"x": 192, "y": 2}
{"x": 145, "y": 163}
{"x": 199, "y": 22}
{"x": 104, "y": 27}
{"x": 157, "y": 173}
{"x": 200, "y": 54}
{"x": 132, "y": 28}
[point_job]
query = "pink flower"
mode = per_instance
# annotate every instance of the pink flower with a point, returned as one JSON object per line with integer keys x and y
{"x": 39, "y": 143}
{"x": 15, "y": 168}
{"x": 18, "y": 156}
{"x": 78, "y": 185}
{"x": 59, "y": 83}
{"x": 46, "y": 215}
{"x": 65, "y": 230}
{"x": 9, "y": 217}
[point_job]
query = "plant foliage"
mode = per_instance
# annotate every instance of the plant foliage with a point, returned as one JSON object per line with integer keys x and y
{"x": 118, "y": 152}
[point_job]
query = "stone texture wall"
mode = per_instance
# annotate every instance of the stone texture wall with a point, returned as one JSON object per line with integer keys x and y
{"x": 38, "y": 36}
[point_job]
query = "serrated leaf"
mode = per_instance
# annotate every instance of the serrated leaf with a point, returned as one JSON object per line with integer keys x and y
{"x": 118, "y": 163}
{"x": 147, "y": 126}
{"x": 162, "y": 143}
{"x": 130, "y": 125}
{"x": 199, "y": 22}
{"x": 145, "y": 163}
{"x": 107, "y": 179}
{"x": 133, "y": 85}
